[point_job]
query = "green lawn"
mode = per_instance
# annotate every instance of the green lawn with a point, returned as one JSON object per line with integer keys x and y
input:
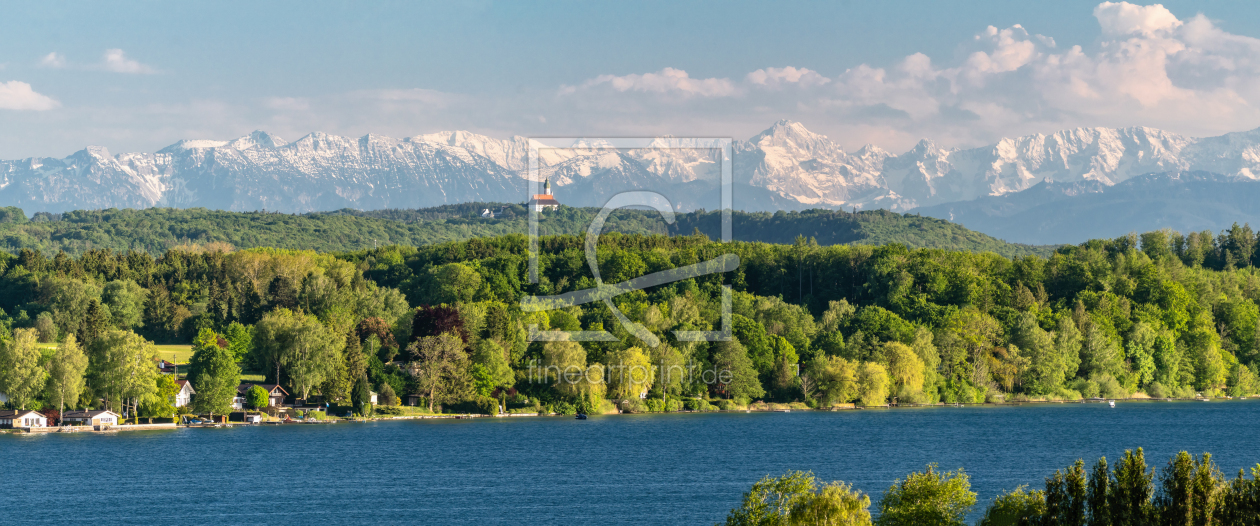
{"x": 181, "y": 352}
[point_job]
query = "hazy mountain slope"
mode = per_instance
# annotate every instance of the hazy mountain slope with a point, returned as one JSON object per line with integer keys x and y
{"x": 1076, "y": 212}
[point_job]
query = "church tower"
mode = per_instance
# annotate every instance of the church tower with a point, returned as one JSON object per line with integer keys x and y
{"x": 544, "y": 201}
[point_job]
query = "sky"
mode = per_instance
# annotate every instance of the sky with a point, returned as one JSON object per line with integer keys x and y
{"x": 139, "y": 76}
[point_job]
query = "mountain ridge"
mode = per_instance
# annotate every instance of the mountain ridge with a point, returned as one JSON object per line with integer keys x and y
{"x": 786, "y": 166}
{"x": 1053, "y": 213}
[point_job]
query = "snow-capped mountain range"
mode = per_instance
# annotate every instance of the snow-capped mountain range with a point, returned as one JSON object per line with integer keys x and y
{"x": 786, "y": 166}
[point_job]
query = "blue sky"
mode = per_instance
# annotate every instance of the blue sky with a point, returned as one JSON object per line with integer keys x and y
{"x": 138, "y": 76}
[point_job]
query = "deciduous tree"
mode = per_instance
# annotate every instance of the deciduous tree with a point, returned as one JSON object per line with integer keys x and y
{"x": 65, "y": 374}
{"x": 440, "y": 367}
{"x": 214, "y": 375}
{"x": 21, "y": 376}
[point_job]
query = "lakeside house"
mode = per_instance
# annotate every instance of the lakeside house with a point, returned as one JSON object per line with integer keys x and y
{"x": 275, "y": 395}
{"x": 90, "y": 418}
{"x": 10, "y": 419}
{"x": 184, "y": 396}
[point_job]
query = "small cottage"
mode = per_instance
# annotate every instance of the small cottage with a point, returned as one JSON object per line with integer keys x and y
{"x": 183, "y": 397}
{"x": 12, "y": 419}
{"x": 93, "y": 418}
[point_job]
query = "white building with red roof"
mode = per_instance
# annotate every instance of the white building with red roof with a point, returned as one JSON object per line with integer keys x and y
{"x": 544, "y": 201}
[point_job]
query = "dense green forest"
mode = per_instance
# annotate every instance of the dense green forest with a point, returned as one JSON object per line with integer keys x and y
{"x": 1188, "y": 491}
{"x": 1161, "y": 314}
{"x": 156, "y": 230}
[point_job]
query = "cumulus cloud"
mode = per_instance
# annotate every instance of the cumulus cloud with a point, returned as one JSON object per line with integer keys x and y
{"x": 779, "y": 77}
{"x": 1122, "y": 18}
{"x": 16, "y": 95}
{"x": 53, "y": 60}
{"x": 665, "y": 81}
{"x": 115, "y": 60}
{"x": 1149, "y": 68}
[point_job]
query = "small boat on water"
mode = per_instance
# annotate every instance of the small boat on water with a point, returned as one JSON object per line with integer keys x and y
{"x": 581, "y": 416}
{"x": 1112, "y": 403}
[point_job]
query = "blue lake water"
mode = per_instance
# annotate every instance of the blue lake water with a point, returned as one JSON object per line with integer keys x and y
{"x": 630, "y": 469}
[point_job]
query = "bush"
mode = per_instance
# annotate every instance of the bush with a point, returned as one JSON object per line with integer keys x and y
{"x": 1063, "y": 393}
{"x": 1157, "y": 390}
{"x": 386, "y": 395}
{"x": 1015, "y": 508}
{"x": 1087, "y": 388}
{"x": 1109, "y": 387}
{"x": 795, "y": 498}
{"x": 482, "y": 405}
{"x": 561, "y": 408}
{"x": 698, "y": 404}
{"x": 727, "y": 405}
{"x": 488, "y": 406}
{"x": 257, "y": 397}
{"x": 633, "y": 405}
{"x": 930, "y": 497}
{"x": 590, "y": 404}
{"x": 388, "y": 410}
{"x": 656, "y": 405}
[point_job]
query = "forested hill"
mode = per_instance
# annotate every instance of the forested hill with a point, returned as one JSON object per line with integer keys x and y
{"x": 155, "y": 230}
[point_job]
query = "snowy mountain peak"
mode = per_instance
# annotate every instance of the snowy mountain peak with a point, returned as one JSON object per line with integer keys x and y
{"x": 259, "y": 139}
{"x": 787, "y": 165}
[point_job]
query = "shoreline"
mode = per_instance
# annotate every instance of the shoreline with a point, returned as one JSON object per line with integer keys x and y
{"x": 470, "y": 416}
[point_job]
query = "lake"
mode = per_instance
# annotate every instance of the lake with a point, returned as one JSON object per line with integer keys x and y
{"x": 626, "y": 469}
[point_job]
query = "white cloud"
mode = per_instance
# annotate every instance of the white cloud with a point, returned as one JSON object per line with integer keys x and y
{"x": 1149, "y": 68}
{"x": 115, "y": 60}
{"x": 1123, "y": 19}
{"x": 778, "y": 77}
{"x": 53, "y": 60}
{"x": 665, "y": 81}
{"x": 1011, "y": 49}
{"x": 16, "y": 95}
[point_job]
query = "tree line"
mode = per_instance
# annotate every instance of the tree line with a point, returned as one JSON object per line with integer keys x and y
{"x": 156, "y": 230}
{"x": 1160, "y": 314}
{"x": 1187, "y": 491}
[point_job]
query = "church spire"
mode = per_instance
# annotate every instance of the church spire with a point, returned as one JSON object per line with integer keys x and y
{"x": 547, "y": 186}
